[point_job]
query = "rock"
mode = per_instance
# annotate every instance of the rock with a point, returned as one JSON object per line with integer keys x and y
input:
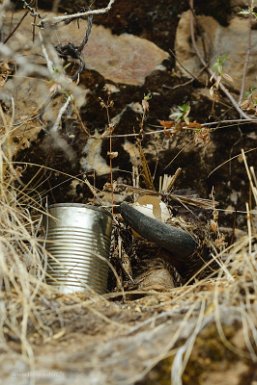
{"x": 125, "y": 59}
{"x": 239, "y": 3}
{"x": 230, "y": 42}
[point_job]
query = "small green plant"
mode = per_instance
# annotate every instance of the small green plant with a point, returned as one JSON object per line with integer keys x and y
{"x": 249, "y": 102}
{"x": 181, "y": 113}
{"x": 148, "y": 96}
{"x": 218, "y": 66}
{"x": 218, "y": 73}
{"x": 251, "y": 94}
{"x": 145, "y": 103}
{"x": 249, "y": 11}
{"x": 218, "y": 69}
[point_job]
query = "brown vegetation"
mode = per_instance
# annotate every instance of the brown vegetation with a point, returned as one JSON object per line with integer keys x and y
{"x": 80, "y": 127}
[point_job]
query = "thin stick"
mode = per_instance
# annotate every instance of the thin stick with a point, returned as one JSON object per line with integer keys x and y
{"x": 247, "y": 57}
{"x": 229, "y": 160}
{"x": 16, "y": 27}
{"x": 51, "y": 21}
{"x": 249, "y": 227}
{"x": 62, "y": 110}
{"x": 111, "y": 173}
{"x": 182, "y": 66}
{"x": 211, "y": 73}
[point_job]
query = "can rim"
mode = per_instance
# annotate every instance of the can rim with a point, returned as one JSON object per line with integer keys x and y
{"x": 82, "y": 205}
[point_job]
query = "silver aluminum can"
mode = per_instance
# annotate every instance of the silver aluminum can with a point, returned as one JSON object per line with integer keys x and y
{"x": 78, "y": 240}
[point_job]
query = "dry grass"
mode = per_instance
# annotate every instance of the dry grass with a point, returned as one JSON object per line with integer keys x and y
{"x": 29, "y": 308}
{"x": 111, "y": 339}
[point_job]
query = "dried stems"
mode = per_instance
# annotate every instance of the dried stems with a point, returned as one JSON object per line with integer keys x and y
{"x": 107, "y": 105}
{"x": 211, "y": 73}
{"x": 247, "y": 55}
{"x": 144, "y": 168}
{"x": 51, "y": 21}
{"x": 16, "y": 27}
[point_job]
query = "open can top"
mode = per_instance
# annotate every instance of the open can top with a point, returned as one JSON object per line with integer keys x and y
{"x": 80, "y": 205}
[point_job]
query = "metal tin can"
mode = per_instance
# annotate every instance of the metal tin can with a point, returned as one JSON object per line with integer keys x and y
{"x": 78, "y": 240}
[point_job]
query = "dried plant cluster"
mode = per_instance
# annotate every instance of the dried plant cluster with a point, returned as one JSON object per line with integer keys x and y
{"x": 117, "y": 338}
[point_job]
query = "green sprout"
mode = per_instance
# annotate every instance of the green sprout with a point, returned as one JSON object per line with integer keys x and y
{"x": 251, "y": 94}
{"x": 250, "y": 99}
{"x": 181, "y": 113}
{"x": 218, "y": 66}
{"x": 148, "y": 96}
{"x": 218, "y": 72}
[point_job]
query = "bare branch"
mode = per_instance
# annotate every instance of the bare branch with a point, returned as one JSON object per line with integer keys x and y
{"x": 247, "y": 57}
{"x": 62, "y": 110}
{"x": 211, "y": 73}
{"x": 52, "y": 21}
{"x": 16, "y": 27}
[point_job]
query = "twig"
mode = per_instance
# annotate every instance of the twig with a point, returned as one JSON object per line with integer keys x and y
{"x": 182, "y": 66}
{"x": 229, "y": 160}
{"x": 51, "y": 21}
{"x": 87, "y": 33}
{"x": 111, "y": 167}
{"x": 247, "y": 57}
{"x": 109, "y": 131}
{"x": 34, "y": 23}
{"x": 62, "y": 110}
{"x": 193, "y": 77}
{"x": 211, "y": 73}
{"x": 30, "y": 9}
{"x": 16, "y": 27}
{"x": 74, "y": 52}
{"x": 232, "y": 122}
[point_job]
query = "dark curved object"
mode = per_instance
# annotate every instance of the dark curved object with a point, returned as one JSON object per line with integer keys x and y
{"x": 175, "y": 240}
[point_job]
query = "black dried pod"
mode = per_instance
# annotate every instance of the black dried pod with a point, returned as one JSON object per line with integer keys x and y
{"x": 179, "y": 243}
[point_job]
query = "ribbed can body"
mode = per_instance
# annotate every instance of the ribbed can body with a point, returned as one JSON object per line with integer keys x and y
{"x": 78, "y": 240}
